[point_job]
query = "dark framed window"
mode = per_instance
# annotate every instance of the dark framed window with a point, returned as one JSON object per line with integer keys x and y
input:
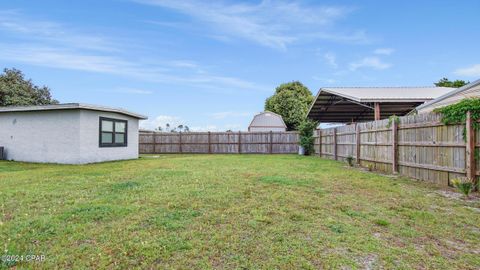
{"x": 113, "y": 132}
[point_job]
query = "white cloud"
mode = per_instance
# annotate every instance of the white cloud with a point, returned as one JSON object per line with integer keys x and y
{"x": 471, "y": 71}
{"x": 369, "y": 62}
{"x": 43, "y": 31}
{"x": 384, "y": 51}
{"x": 274, "y": 24}
{"x": 49, "y": 44}
{"x": 331, "y": 59}
{"x": 229, "y": 114}
{"x": 206, "y": 128}
{"x": 161, "y": 121}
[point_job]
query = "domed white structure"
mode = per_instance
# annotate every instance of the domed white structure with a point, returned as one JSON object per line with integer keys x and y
{"x": 267, "y": 121}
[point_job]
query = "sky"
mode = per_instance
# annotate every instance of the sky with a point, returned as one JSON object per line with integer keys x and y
{"x": 211, "y": 64}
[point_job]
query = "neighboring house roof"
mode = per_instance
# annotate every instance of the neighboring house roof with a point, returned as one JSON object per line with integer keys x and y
{"x": 70, "y": 106}
{"x": 271, "y": 120}
{"x": 453, "y": 92}
{"x": 346, "y": 104}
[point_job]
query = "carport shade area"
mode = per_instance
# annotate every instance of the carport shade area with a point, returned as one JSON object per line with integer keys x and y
{"x": 357, "y": 104}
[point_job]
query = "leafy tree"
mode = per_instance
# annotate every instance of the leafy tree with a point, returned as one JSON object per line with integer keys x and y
{"x": 444, "y": 82}
{"x": 15, "y": 90}
{"x": 306, "y": 128}
{"x": 291, "y": 101}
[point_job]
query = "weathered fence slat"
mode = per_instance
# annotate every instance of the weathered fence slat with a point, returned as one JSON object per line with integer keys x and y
{"x": 218, "y": 142}
{"x": 394, "y": 146}
{"x": 335, "y": 156}
{"x": 357, "y": 143}
{"x": 417, "y": 146}
{"x": 470, "y": 148}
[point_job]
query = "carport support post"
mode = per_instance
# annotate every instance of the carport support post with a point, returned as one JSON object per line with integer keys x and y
{"x": 394, "y": 146}
{"x": 358, "y": 142}
{"x": 335, "y": 143}
{"x": 470, "y": 149}
{"x": 377, "y": 111}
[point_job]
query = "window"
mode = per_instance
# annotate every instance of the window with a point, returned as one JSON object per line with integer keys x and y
{"x": 113, "y": 132}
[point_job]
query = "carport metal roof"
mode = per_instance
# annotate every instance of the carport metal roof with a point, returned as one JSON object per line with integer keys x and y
{"x": 356, "y": 104}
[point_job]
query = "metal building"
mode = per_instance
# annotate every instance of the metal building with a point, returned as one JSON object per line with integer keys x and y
{"x": 267, "y": 121}
{"x": 356, "y": 104}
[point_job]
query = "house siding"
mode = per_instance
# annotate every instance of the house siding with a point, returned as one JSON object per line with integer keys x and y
{"x": 469, "y": 93}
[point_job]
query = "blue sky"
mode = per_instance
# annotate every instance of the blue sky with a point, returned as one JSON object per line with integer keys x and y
{"x": 211, "y": 64}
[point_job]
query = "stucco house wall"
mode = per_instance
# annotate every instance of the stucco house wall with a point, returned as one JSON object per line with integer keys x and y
{"x": 69, "y": 136}
{"x": 89, "y": 138}
{"x": 48, "y": 136}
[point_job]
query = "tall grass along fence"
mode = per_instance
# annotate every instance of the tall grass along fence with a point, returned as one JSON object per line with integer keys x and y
{"x": 417, "y": 146}
{"x": 218, "y": 142}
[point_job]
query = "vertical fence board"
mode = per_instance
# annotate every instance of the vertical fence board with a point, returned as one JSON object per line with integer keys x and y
{"x": 218, "y": 142}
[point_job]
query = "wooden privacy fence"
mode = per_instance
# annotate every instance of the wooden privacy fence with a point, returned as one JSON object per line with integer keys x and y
{"x": 218, "y": 142}
{"x": 418, "y": 146}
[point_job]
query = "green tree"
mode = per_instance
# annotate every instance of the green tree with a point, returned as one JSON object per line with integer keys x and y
{"x": 306, "y": 129}
{"x": 15, "y": 90}
{"x": 444, "y": 82}
{"x": 291, "y": 101}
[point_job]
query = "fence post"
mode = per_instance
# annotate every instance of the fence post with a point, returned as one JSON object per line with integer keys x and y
{"x": 239, "y": 142}
{"x": 319, "y": 142}
{"x": 180, "y": 141}
{"x": 209, "y": 144}
{"x": 335, "y": 143}
{"x": 154, "y": 143}
{"x": 357, "y": 143}
{"x": 470, "y": 149}
{"x": 271, "y": 142}
{"x": 394, "y": 146}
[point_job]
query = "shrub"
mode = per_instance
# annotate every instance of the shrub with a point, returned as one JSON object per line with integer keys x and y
{"x": 464, "y": 185}
{"x": 370, "y": 167}
{"x": 349, "y": 161}
{"x": 457, "y": 113}
{"x": 392, "y": 119}
{"x": 307, "y": 140}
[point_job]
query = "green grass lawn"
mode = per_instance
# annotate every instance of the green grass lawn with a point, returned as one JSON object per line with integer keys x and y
{"x": 231, "y": 212}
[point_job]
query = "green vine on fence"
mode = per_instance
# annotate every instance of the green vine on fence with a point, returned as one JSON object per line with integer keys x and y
{"x": 457, "y": 113}
{"x": 392, "y": 119}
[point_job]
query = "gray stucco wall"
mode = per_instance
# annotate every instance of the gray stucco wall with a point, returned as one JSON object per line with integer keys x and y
{"x": 62, "y": 136}
{"x": 89, "y": 149}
